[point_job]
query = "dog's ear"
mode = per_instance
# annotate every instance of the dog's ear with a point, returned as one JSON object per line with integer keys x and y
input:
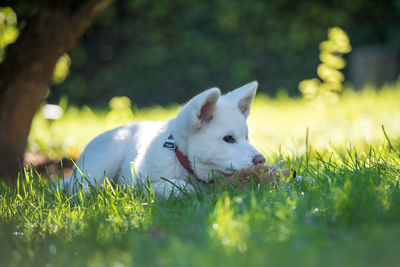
{"x": 208, "y": 102}
{"x": 244, "y": 96}
{"x": 200, "y": 109}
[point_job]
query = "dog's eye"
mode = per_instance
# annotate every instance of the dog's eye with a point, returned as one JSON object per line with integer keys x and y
{"x": 229, "y": 139}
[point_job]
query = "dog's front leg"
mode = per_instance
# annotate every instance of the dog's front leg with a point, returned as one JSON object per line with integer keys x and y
{"x": 175, "y": 187}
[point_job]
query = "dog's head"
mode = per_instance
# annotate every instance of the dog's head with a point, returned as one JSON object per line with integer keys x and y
{"x": 211, "y": 131}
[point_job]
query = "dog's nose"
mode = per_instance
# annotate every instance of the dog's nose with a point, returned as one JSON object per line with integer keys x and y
{"x": 259, "y": 159}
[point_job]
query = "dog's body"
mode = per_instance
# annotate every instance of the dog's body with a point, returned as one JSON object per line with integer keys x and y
{"x": 210, "y": 131}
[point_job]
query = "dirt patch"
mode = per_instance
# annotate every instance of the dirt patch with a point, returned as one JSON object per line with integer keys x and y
{"x": 52, "y": 168}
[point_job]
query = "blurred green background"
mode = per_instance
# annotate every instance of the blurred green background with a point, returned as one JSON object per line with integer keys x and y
{"x": 161, "y": 52}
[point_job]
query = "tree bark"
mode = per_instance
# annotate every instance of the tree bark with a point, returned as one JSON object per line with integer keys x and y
{"x": 27, "y": 69}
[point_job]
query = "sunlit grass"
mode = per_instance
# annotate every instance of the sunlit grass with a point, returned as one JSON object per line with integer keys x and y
{"x": 355, "y": 120}
{"x": 276, "y": 125}
{"x": 345, "y": 213}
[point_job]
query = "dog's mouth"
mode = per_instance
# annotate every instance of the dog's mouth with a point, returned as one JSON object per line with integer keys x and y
{"x": 210, "y": 180}
{"x": 218, "y": 168}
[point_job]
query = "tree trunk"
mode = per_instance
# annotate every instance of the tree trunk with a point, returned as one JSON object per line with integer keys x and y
{"x": 27, "y": 69}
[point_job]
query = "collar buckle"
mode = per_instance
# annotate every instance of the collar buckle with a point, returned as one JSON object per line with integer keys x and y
{"x": 183, "y": 160}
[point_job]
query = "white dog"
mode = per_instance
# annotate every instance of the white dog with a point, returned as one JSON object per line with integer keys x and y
{"x": 208, "y": 134}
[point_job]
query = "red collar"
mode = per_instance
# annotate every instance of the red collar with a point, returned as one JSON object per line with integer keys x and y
{"x": 183, "y": 160}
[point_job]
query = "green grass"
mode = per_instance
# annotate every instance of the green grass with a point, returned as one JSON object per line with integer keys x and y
{"x": 346, "y": 214}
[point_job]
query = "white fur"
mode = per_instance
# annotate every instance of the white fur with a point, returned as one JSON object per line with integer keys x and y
{"x": 198, "y": 129}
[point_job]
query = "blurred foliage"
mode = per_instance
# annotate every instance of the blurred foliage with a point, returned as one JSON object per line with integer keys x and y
{"x": 9, "y": 34}
{"x": 61, "y": 69}
{"x": 158, "y": 52}
{"x": 331, "y": 52}
{"x": 120, "y": 110}
{"x": 8, "y": 28}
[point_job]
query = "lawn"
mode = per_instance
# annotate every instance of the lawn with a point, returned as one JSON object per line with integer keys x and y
{"x": 345, "y": 213}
